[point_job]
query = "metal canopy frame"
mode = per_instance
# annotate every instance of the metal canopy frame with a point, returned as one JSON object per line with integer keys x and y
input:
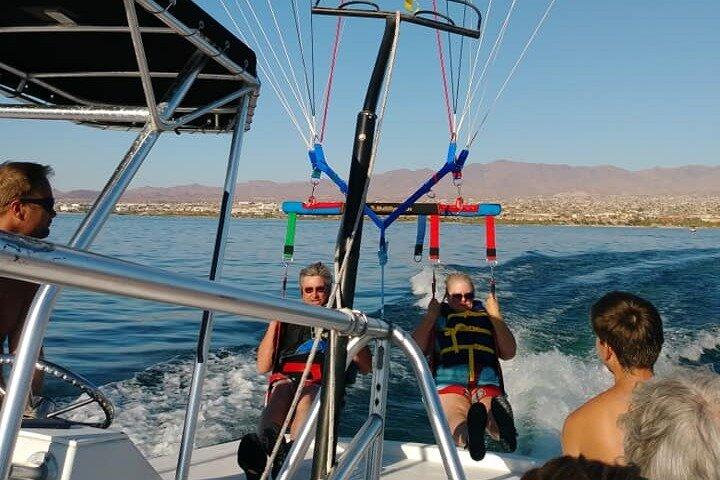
{"x": 48, "y": 95}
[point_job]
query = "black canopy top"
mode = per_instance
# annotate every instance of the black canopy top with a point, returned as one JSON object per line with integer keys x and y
{"x": 80, "y": 52}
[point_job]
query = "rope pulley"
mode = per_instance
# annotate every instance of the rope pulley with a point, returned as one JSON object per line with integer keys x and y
{"x": 382, "y": 260}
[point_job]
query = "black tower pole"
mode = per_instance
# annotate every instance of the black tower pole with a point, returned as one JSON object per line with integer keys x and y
{"x": 333, "y": 382}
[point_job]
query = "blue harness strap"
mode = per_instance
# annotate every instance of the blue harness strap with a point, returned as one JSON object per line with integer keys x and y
{"x": 420, "y": 237}
{"x": 451, "y": 164}
{"x": 317, "y": 160}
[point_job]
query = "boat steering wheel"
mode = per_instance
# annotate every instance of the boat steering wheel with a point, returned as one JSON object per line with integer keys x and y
{"x": 80, "y": 383}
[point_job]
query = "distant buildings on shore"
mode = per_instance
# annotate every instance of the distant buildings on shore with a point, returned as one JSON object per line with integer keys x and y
{"x": 557, "y": 209}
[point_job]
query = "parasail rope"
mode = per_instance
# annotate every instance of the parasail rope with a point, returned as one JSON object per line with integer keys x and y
{"x": 291, "y": 64}
{"x": 311, "y": 95}
{"x": 474, "y": 64}
{"x": 296, "y": 93}
{"x": 489, "y": 61}
{"x": 448, "y": 107}
{"x": 331, "y": 76}
{"x": 512, "y": 71}
{"x": 268, "y": 73}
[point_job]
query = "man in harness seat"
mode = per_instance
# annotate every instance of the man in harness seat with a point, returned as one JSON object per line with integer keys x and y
{"x": 283, "y": 352}
{"x": 464, "y": 342}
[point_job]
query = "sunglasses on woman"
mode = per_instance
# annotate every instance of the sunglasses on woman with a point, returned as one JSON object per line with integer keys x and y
{"x": 458, "y": 297}
{"x": 309, "y": 290}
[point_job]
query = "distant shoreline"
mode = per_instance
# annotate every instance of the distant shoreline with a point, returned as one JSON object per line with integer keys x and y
{"x": 688, "y": 223}
{"x": 640, "y": 211}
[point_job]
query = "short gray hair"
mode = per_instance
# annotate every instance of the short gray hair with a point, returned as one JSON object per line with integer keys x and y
{"x": 317, "y": 269}
{"x": 672, "y": 429}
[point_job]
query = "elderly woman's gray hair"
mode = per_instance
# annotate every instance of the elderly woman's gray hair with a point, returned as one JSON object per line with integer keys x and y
{"x": 317, "y": 269}
{"x": 672, "y": 429}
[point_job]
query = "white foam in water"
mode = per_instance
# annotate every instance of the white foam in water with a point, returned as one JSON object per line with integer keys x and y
{"x": 421, "y": 284}
{"x": 543, "y": 388}
{"x": 699, "y": 343}
{"x": 150, "y": 407}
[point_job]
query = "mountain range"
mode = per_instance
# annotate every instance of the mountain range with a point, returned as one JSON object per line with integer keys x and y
{"x": 499, "y": 180}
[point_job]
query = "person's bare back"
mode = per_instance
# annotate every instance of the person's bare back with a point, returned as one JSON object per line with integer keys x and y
{"x": 592, "y": 430}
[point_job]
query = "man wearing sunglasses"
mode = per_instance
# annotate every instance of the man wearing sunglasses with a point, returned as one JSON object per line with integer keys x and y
{"x": 26, "y": 208}
{"x": 464, "y": 341}
{"x": 283, "y": 352}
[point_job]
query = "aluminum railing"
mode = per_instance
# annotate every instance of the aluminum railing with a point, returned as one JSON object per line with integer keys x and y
{"x": 33, "y": 260}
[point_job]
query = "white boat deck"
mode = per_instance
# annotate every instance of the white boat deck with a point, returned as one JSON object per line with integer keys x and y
{"x": 400, "y": 461}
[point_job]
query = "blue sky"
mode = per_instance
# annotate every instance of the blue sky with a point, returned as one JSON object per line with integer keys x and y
{"x": 625, "y": 83}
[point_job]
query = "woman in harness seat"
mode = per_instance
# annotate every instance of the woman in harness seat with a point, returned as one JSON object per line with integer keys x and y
{"x": 464, "y": 342}
{"x": 283, "y": 353}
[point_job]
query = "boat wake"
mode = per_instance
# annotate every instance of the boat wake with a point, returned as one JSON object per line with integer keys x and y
{"x": 555, "y": 371}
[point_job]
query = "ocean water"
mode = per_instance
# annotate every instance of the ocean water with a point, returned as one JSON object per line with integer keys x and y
{"x": 141, "y": 353}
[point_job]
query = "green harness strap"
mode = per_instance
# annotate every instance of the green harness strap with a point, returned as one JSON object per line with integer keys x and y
{"x": 289, "y": 249}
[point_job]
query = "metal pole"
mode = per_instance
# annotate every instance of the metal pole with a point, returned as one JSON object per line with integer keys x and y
{"x": 378, "y": 405}
{"x": 182, "y": 84}
{"x": 39, "y": 313}
{"x": 371, "y": 431}
{"x": 438, "y": 420}
{"x": 199, "y": 112}
{"x": 75, "y": 113}
{"x": 203, "y": 347}
{"x": 351, "y": 228}
{"x": 142, "y": 61}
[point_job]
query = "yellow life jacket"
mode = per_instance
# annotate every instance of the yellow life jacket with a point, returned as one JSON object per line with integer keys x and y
{"x": 465, "y": 338}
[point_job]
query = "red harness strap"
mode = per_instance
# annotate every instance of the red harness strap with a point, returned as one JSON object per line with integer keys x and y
{"x": 298, "y": 367}
{"x": 490, "y": 251}
{"x": 288, "y": 368}
{"x": 434, "y": 237}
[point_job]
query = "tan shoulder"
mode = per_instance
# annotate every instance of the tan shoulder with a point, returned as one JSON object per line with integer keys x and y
{"x": 577, "y": 417}
{"x": 579, "y": 422}
{"x": 591, "y": 406}
{"x": 572, "y": 431}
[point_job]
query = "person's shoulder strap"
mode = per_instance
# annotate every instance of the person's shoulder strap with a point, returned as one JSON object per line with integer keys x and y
{"x": 276, "y": 344}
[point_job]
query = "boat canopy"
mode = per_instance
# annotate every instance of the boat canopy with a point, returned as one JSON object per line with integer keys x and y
{"x": 80, "y": 53}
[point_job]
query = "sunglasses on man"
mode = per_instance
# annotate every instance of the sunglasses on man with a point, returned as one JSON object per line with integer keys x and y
{"x": 47, "y": 203}
{"x": 309, "y": 290}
